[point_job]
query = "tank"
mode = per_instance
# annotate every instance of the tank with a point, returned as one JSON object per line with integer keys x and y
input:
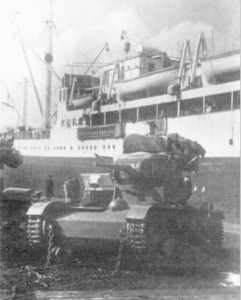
{"x": 140, "y": 204}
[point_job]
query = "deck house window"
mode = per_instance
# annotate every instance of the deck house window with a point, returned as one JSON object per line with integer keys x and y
{"x": 80, "y": 121}
{"x": 147, "y": 112}
{"x": 151, "y": 67}
{"x": 62, "y": 123}
{"x": 74, "y": 122}
{"x": 216, "y": 103}
{"x": 86, "y": 120}
{"x": 60, "y": 95}
{"x": 98, "y": 119}
{"x": 68, "y": 122}
{"x": 80, "y": 81}
{"x": 112, "y": 117}
{"x": 129, "y": 115}
{"x": 191, "y": 107}
{"x": 236, "y": 100}
{"x": 169, "y": 110}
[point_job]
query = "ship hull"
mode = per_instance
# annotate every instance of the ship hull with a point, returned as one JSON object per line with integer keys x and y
{"x": 217, "y": 180}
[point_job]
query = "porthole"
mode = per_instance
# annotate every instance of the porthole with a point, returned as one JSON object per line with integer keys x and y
{"x": 95, "y": 147}
{"x": 104, "y": 147}
{"x": 90, "y": 147}
{"x": 71, "y": 148}
{"x": 108, "y": 146}
{"x": 113, "y": 146}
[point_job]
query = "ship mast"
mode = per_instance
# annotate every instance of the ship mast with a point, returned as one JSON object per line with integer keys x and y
{"x": 49, "y": 60}
{"x": 25, "y": 101}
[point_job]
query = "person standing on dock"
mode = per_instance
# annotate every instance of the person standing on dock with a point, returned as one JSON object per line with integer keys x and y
{"x": 49, "y": 184}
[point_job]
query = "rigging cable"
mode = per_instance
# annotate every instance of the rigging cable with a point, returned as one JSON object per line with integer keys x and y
{"x": 14, "y": 21}
{"x": 44, "y": 63}
{"x": 61, "y": 44}
{"x": 11, "y": 100}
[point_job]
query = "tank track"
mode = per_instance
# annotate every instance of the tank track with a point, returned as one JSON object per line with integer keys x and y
{"x": 36, "y": 232}
{"x": 136, "y": 235}
{"x": 138, "y": 240}
{"x": 211, "y": 241}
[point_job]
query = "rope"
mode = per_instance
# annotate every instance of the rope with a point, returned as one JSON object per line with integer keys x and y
{"x": 61, "y": 44}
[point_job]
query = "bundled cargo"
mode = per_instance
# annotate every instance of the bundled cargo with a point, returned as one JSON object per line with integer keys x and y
{"x": 8, "y": 155}
{"x": 172, "y": 143}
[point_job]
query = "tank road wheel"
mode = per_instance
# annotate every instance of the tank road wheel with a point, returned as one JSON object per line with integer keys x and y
{"x": 43, "y": 237}
{"x": 34, "y": 231}
{"x": 39, "y": 232}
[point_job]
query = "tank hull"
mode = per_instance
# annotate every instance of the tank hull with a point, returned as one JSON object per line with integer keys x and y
{"x": 217, "y": 180}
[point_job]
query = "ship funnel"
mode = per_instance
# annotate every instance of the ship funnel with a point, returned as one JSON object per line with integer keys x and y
{"x": 127, "y": 47}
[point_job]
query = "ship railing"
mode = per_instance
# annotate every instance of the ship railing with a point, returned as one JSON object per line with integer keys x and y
{"x": 32, "y": 135}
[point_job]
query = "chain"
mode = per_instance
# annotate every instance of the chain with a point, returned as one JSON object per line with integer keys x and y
{"x": 50, "y": 247}
{"x": 120, "y": 249}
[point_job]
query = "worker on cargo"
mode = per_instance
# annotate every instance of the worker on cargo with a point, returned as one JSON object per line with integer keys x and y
{"x": 49, "y": 184}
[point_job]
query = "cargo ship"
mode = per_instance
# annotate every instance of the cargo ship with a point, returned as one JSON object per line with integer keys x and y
{"x": 147, "y": 93}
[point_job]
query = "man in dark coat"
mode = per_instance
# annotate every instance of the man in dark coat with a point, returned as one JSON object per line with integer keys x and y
{"x": 49, "y": 184}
